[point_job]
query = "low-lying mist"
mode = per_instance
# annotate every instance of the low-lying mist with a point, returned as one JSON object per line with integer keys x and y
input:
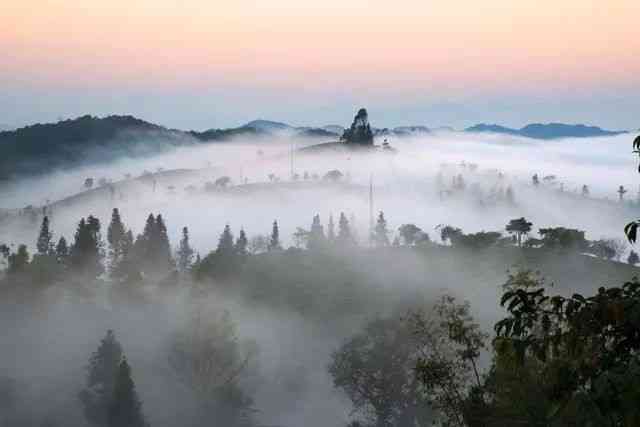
{"x": 291, "y": 312}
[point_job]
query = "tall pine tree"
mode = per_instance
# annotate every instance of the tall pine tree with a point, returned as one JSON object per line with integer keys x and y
{"x": 316, "y": 235}
{"x": 44, "y": 244}
{"x": 274, "y": 240}
{"x": 185, "y": 252}
{"x": 87, "y": 252}
{"x": 344, "y": 237}
{"x": 125, "y": 409}
{"x": 97, "y": 396}
{"x": 241, "y": 244}
{"x": 380, "y": 232}
{"x": 225, "y": 243}
{"x": 115, "y": 236}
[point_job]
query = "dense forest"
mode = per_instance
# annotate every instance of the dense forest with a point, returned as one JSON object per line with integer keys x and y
{"x": 554, "y": 357}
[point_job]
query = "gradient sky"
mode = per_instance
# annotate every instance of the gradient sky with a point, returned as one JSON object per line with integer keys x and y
{"x": 218, "y": 63}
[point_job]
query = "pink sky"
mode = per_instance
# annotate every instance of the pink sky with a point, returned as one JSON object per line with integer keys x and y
{"x": 396, "y": 51}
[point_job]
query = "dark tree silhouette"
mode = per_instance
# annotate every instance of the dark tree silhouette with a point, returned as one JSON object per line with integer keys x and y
{"x": 345, "y": 237}
{"x": 44, "y": 244}
{"x": 225, "y": 243}
{"x": 241, "y": 244}
{"x": 97, "y": 396}
{"x": 360, "y": 130}
{"x": 633, "y": 258}
{"x": 125, "y": 409}
{"x": 18, "y": 261}
{"x": 520, "y": 228}
{"x": 274, "y": 240}
{"x": 116, "y": 234}
{"x": 316, "y": 239}
{"x": 62, "y": 250}
{"x": 185, "y": 252}
{"x": 86, "y": 252}
{"x": 380, "y": 232}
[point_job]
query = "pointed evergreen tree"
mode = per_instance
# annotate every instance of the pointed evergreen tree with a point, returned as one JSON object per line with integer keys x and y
{"x": 62, "y": 250}
{"x": 274, "y": 240}
{"x": 125, "y": 409}
{"x": 241, "y": 244}
{"x": 344, "y": 237}
{"x": 185, "y": 252}
{"x": 331, "y": 230}
{"x": 115, "y": 236}
{"x": 316, "y": 235}
{"x": 162, "y": 247}
{"x": 86, "y": 252}
{"x": 44, "y": 244}
{"x": 225, "y": 243}
{"x": 97, "y": 396}
{"x": 380, "y": 232}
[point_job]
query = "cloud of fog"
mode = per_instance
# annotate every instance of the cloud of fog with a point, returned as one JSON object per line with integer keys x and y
{"x": 49, "y": 347}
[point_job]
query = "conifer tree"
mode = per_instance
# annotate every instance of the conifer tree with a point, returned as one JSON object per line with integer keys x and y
{"x": 316, "y": 235}
{"x": 185, "y": 252}
{"x": 115, "y": 236}
{"x": 274, "y": 240}
{"x": 162, "y": 247}
{"x": 344, "y": 237}
{"x": 44, "y": 244}
{"x": 62, "y": 250}
{"x": 241, "y": 244}
{"x": 331, "y": 230}
{"x": 86, "y": 252}
{"x": 125, "y": 409}
{"x": 97, "y": 396}
{"x": 380, "y": 232}
{"x": 225, "y": 243}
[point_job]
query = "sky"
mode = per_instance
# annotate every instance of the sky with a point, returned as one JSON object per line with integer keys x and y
{"x": 198, "y": 64}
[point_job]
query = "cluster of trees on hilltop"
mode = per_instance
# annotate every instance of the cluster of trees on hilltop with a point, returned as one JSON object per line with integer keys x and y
{"x": 150, "y": 255}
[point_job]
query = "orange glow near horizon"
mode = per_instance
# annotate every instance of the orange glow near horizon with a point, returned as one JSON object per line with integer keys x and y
{"x": 493, "y": 45}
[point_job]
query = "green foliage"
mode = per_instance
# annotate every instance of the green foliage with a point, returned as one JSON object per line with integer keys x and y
{"x": 18, "y": 261}
{"x": 345, "y": 236}
{"x": 450, "y": 344}
{"x": 97, "y": 396}
{"x": 520, "y": 228}
{"x": 116, "y": 236}
{"x": 316, "y": 239}
{"x": 208, "y": 359}
{"x": 185, "y": 252}
{"x": 125, "y": 409}
{"x": 45, "y": 244}
{"x": 412, "y": 234}
{"x": 152, "y": 250}
{"x": 584, "y": 349}
{"x": 360, "y": 130}
{"x": 274, "y": 240}
{"x": 227, "y": 260}
{"x": 380, "y": 233}
{"x": 563, "y": 238}
{"x": 87, "y": 250}
{"x": 375, "y": 369}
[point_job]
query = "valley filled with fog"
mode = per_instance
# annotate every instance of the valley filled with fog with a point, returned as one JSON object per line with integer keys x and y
{"x": 292, "y": 309}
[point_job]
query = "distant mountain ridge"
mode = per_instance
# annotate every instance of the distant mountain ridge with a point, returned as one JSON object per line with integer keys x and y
{"x": 40, "y": 148}
{"x": 546, "y": 131}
